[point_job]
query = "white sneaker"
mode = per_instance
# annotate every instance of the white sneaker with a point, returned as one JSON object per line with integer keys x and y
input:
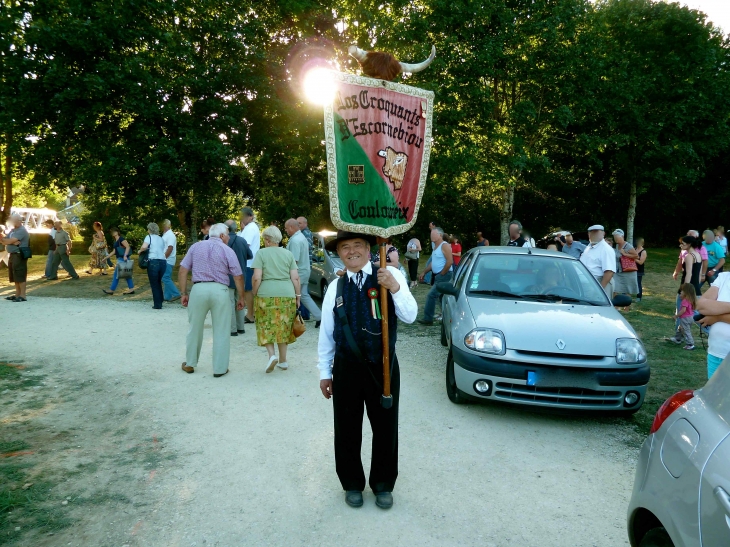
{"x": 283, "y": 366}
{"x": 272, "y": 363}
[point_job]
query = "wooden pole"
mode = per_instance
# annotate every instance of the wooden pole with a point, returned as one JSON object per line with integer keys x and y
{"x": 387, "y": 401}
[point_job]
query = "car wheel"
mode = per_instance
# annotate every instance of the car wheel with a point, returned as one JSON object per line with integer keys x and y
{"x": 444, "y": 341}
{"x": 456, "y": 396}
{"x": 656, "y": 537}
{"x": 323, "y": 290}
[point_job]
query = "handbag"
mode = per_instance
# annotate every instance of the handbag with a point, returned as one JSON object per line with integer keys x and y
{"x": 144, "y": 256}
{"x": 25, "y": 253}
{"x": 628, "y": 264}
{"x": 124, "y": 268}
{"x": 144, "y": 259}
{"x": 298, "y": 328}
{"x": 412, "y": 255}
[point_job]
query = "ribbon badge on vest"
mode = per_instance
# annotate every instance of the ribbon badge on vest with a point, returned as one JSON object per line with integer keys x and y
{"x": 378, "y": 139}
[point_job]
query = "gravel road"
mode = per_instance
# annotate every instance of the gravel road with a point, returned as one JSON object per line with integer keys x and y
{"x": 253, "y": 457}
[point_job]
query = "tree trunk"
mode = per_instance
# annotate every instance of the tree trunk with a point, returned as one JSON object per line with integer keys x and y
{"x": 632, "y": 213}
{"x": 194, "y": 225}
{"x": 505, "y": 215}
{"x": 8, "y": 202}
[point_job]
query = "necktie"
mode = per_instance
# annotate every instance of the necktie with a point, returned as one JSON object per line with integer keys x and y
{"x": 359, "y": 279}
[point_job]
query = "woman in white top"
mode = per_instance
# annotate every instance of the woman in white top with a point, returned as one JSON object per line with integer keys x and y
{"x": 715, "y": 306}
{"x": 413, "y": 253}
{"x": 155, "y": 245}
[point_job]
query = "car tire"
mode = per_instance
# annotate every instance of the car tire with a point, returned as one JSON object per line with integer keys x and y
{"x": 323, "y": 289}
{"x": 656, "y": 537}
{"x": 455, "y": 395}
{"x": 444, "y": 340}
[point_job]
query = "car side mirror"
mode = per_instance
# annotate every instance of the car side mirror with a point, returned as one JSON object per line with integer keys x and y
{"x": 621, "y": 300}
{"x": 447, "y": 288}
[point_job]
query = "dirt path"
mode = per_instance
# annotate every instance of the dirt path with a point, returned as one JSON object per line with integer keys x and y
{"x": 247, "y": 459}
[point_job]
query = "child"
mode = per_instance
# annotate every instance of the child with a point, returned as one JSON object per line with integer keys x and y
{"x": 685, "y": 313}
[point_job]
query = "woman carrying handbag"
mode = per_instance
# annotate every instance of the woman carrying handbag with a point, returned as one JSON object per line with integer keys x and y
{"x": 122, "y": 250}
{"x": 625, "y": 280}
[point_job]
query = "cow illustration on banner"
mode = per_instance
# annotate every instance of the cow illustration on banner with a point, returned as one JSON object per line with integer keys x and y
{"x": 378, "y": 139}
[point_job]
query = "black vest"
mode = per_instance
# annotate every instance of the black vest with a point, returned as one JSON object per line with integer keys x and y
{"x": 519, "y": 242}
{"x": 365, "y": 329}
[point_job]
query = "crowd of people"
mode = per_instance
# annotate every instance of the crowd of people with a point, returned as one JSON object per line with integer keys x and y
{"x": 275, "y": 279}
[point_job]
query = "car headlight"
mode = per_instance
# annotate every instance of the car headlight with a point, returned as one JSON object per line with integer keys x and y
{"x": 485, "y": 341}
{"x": 630, "y": 351}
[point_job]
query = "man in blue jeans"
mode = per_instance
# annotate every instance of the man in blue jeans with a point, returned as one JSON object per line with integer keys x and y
{"x": 441, "y": 261}
{"x": 170, "y": 292}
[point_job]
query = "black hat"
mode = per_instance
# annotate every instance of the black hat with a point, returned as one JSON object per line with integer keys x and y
{"x": 343, "y": 235}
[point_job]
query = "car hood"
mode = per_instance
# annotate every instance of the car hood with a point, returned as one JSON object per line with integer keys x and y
{"x": 537, "y": 326}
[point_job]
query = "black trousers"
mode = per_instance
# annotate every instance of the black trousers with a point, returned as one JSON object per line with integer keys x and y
{"x": 413, "y": 269}
{"x": 352, "y": 388}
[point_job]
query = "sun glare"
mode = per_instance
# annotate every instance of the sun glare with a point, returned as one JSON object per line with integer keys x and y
{"x": 319, "y": 86}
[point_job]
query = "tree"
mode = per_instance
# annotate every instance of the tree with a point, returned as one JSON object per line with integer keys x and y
{"x": 652, "y": 99}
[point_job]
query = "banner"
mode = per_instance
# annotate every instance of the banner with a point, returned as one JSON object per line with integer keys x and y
{"x": 378, "y": 138}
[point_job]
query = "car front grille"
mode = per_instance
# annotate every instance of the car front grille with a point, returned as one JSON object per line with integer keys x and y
{"x": 553, "y": 355}
{"x": 558, "y": 395}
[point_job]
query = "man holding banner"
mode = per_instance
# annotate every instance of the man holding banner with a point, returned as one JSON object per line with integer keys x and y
{"x": 350, "y": 365}
{"x": 378, "y": 140}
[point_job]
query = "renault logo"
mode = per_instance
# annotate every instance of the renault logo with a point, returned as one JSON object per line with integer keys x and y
{"x": 560, "y": 344}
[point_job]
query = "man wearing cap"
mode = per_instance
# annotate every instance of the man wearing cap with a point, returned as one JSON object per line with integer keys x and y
{"x": 351, "y": 365}
{"x": 572, "y": 247}
{"x": 600, "y": 259}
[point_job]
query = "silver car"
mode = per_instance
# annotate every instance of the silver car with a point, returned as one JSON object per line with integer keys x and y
{"x": 324, "y": 264}
{"x": 682, "y": 488}
{"x": 534, "y": 327}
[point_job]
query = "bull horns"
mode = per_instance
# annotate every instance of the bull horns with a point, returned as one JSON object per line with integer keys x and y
{"x": 418, "y": 67}
{"x": 361, "y": 54}
{"x": 357, "y": 53}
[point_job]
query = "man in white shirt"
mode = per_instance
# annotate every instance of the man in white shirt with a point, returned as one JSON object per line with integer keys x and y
{"x": 170, "y": 292}
{"x": 249, "y": 232}
{"x": 600, "y": 259}
{"x": 351, "y": 365}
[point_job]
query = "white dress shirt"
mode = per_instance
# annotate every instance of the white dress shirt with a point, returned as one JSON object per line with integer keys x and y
{"x": 252, "y": 236}
{"x": 406, "y": 309}
{"x": 599, "y": 258}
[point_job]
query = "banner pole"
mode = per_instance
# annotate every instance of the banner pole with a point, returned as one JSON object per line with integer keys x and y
{"x": 387, "y": 399}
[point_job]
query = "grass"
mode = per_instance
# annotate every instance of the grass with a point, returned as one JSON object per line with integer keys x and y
{"x": 25, "y": 487}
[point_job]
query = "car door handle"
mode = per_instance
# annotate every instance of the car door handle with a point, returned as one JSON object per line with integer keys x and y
{"x": 724, "y": 498}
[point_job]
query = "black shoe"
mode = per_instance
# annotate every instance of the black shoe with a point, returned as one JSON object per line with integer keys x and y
{"x": 424, "y": 322}
{"x": 51, "y": 278}
{"x": 234, "y": 334}
{"x": 20, "y": 299}
{"x": 241, "y": 331}
{"x": 77, "y": 277}
{"x": 129, "y": 292}
{"x": 111, "y": 293}
{"x": 384, "y": 500}
{"x": 13, "y": 297}
{"x": 247, "y": 320}
{"x": 317, "y": 324}
{"x": 219, "y": 375}
{"x": 353, "y": 498}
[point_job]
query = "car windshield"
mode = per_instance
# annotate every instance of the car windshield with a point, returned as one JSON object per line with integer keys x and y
{"x": 327, "y": 239}
{"x": 534, "y": 277}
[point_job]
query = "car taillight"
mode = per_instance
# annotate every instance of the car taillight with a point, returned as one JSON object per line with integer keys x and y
{"x": 669, "y": 406}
